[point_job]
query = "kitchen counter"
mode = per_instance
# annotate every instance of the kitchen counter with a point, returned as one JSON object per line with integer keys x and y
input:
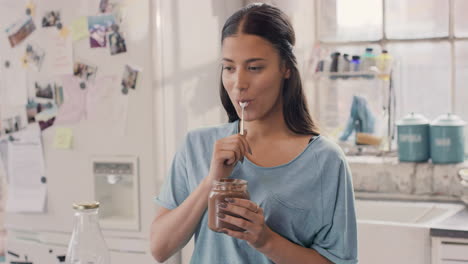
{"x": 455, "y": 226}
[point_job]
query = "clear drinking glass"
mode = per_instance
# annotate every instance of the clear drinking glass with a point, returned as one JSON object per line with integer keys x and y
{"x": 87, "y": 245}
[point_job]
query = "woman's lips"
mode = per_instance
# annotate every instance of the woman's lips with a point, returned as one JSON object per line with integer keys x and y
{"x": 246, "y": 102}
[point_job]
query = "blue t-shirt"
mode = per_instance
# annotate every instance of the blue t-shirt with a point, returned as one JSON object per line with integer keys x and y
{"x": 309, "y": 200}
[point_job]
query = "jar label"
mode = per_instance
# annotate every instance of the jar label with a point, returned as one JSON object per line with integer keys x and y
{"x": 411, "y": 138}
{"x": 443, "y": 142}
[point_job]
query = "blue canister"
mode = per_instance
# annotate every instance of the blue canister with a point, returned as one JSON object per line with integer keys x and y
{"x": 413, "y": 138}
{"x": 447, "y": 139}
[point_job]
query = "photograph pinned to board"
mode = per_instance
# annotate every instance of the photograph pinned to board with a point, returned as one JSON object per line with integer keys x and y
{"x": 13, "y": 120}
{"x": 130, "y": 78}
{"x": 84, "y": 71}
{"x": 11, "y": 124}
{"x": 42, "y": 113}
{"x": 20, "y": 30}
{"x": 51, "y": 18}
{"x": 105, "y": 6}
{"x": 116, "y": 41}
{"x": 98, "y": 27}
{"x": 34, "y": 55}
{"x": 48, "y": 92}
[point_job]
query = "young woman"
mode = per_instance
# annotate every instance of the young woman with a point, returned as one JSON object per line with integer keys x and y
{"x": 302, "y": 205}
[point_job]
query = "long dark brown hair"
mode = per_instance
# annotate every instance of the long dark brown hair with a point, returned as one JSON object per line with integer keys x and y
{"x": 272, "y": 24}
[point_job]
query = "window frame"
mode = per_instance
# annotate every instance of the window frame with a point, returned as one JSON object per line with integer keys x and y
{"x": 384, "y": 41}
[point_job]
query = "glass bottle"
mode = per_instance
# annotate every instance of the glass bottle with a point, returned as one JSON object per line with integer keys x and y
{"x": 87, "y": 245}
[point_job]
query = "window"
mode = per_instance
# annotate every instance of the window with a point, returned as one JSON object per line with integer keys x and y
{"x": 428, "y": 39}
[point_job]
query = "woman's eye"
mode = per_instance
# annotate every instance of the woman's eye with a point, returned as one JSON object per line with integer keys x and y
{"x": 255, "y": 69}
{"x": 228, "y": 68}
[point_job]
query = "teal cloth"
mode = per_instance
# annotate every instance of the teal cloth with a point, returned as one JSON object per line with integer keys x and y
{"x": 361, "y": 118}
{"x": 309, "y": 200}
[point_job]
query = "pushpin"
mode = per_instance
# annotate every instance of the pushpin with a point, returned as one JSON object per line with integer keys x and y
{"x": 7, "y": 64}
{"x": 30, "y": 7}
{"x": 115, "y": 27}
{"x": 43, "y": 179}
{"x": 125, "y": 90}
{"x": 82, "y": 85}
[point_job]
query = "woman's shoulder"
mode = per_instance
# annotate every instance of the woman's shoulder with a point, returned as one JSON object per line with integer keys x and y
{"x": 326, "y": 149}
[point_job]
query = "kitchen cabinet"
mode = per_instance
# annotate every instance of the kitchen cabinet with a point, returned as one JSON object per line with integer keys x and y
{"x": 449, "y": 250}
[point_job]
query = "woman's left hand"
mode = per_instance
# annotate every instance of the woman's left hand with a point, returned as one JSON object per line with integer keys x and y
{"x": 256, "y": 231}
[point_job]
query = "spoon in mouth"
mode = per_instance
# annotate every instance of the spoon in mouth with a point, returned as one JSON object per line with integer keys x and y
{"x": 242, "y": 105}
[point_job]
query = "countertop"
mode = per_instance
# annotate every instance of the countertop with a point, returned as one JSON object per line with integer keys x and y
{"x": 455, "y": 226}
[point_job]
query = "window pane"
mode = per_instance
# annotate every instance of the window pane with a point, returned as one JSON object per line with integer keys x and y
{"x": 349, "y": 20}
{"x": 461, "y": 83}
{"x": 423, "y": 77}
{"x": 413, "y": 19}
{"x": 460, "y": 18}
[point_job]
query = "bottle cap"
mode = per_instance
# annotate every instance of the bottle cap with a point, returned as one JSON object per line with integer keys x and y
{"x": 85, "y": 205}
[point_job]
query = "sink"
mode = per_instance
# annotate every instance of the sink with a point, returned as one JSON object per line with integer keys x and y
{"x": 416, "y": 213}
{"x": 398, "y": 232}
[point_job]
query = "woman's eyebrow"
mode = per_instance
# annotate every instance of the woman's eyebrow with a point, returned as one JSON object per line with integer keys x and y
{"x": 247, "y": 61}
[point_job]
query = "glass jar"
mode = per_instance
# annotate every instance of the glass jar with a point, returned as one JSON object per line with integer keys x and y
{"x": 87, "y": 243}
{"x": 222, "y": 189}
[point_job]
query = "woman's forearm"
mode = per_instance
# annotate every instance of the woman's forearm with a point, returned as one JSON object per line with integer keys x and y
{"x": 282, "y": 251}
{"x": 172, "y": 230}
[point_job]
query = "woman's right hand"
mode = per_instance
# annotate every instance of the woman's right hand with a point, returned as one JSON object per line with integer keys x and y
{"x": 226, "y": 153}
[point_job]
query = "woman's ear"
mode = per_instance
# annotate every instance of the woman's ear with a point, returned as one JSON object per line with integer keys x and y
{"x": 287, "y": 73}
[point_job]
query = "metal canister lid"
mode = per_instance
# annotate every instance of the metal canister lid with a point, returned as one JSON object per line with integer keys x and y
{"x": 85, "y": 205}
{"x": 413, "y": 119}
{"x": 448, "y": 119}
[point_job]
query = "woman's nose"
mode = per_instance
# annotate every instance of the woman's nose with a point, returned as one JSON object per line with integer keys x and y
{"x": 241, "y": 81}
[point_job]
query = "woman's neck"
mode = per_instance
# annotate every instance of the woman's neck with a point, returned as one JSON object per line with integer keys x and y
{"x": 271, "y": 126}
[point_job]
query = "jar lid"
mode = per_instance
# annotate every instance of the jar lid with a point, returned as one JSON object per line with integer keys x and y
{"x": 228, "y": 181}
{"x": 448, "y": 119}
{"x": 413, "y": 119}
{"x": 85, "y": 205}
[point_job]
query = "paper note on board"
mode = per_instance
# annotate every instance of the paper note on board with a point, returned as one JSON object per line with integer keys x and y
{"x": 26, "y": 169}
{"x": 79, "y": 28}
{"x": 63, "y": 138}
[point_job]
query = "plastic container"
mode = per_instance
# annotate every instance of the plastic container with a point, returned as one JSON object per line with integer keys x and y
{"x": 384, "y": 63}
{"x": 368, "y": 60}
{"x": 356, "y": 63}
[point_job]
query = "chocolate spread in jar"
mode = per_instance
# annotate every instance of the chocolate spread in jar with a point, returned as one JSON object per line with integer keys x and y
{"x": 225, "y": 188}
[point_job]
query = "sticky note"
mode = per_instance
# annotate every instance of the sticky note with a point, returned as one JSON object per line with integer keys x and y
{"x": 64, "y": 32}
{"x": 63, "y": 138}
{"x": 79, "y": 28}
